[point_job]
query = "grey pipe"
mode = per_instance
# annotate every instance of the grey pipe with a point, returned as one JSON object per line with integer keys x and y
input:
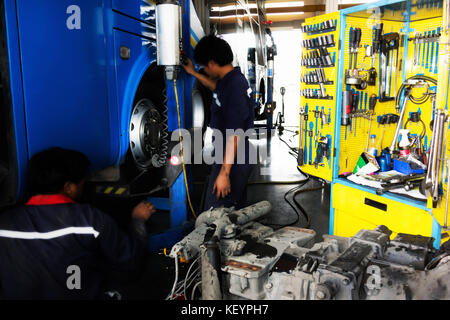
{"x": 211, "y": 272}
{"x": 438, "y": 156}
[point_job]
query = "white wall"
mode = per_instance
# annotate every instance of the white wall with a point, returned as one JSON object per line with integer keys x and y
{"x": 287, "y": 70}
{"x": 287, "y": 74}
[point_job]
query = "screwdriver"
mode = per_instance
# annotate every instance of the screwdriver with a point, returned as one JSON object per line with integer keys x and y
{"x": 357, "y": 41}
{"x": 372, "y": 102}
{"x": 353, "y": 110}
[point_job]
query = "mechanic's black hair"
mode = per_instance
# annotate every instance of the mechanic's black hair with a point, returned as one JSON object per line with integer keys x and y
{"x": 213, "y": 48}
{"x": 50, "y": 169}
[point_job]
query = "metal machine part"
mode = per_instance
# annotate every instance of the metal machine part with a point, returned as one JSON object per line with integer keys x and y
{"x": 242, "y": 259}
{"x": 389, "y": 42}
{"x": 168, "y": 37}
{"x": 400, "y": 122}
{"x": 300, "y": 158}
{"x": 431, "y": 183}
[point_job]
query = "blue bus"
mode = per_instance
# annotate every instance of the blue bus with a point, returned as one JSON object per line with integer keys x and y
{"x": 83, "y": 75}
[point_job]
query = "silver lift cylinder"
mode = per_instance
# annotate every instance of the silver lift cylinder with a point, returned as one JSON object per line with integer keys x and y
{"x": 168, "y": 37}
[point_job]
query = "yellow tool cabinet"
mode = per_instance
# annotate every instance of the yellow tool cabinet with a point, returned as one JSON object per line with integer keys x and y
{"x": 318, "y": 113}
{"x": 367, "y": 210}
{"x": 423, "y": 49}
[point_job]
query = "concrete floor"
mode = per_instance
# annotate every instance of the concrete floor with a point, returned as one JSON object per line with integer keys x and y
{"x": 280, "y": 166}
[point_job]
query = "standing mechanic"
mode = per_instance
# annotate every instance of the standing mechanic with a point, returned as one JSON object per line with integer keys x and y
{"x": 231, "y": 109}
{"x": 47, "y": 241}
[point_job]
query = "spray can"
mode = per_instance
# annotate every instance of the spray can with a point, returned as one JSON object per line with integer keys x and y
{"x": 404, "y": 143}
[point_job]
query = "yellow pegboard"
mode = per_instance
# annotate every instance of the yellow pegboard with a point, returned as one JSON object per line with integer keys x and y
{"x": 325, "y": 168}
{"x": 429, "y": 62}
{"x": 355, "y": 142}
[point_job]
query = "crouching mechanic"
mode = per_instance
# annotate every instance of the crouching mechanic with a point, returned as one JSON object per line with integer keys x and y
{"x": 55, "y": 248}
{"x": 232, "y": 109}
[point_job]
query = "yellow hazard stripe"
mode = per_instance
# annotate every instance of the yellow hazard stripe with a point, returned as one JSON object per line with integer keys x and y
{"x": 120, "y": 190}
{"x": 108, "y": 190}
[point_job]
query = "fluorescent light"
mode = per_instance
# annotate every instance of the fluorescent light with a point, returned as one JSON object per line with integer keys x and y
{"x": 233, "y": 7}
{"x": 285, "y": 13}
{"x": 289, "y": 4}
{"x": 235, "y": 16}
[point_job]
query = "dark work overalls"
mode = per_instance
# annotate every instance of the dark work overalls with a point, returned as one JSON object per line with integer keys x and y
{"x": 231, "y": 108}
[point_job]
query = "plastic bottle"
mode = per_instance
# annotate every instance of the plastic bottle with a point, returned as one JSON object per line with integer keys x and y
{"x": 404, "y": 143}
{"x": 373, "y": 146}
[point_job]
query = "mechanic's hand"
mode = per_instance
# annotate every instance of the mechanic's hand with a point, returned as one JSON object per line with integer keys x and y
{"x": 222, "y": 185}
{"x": 189, "y": 66}
{"x": 143, "y": 210}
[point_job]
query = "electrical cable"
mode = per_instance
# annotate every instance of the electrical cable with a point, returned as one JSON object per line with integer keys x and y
{"x": 193, "y": 289}
{"x": 175, "y": 282}
{"x": 181, "y": 149}
{"x": 187, "y": 274}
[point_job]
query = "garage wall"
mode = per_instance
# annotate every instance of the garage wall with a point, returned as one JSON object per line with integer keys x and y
{"x": 287, "y": 73}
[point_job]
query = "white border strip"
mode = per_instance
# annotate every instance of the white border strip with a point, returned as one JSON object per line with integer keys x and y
{"x": 48, "y": 235}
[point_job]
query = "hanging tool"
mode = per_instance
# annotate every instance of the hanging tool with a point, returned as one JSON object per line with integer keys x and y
{"x": 400, "y": 121}
{"x": 389, "y": 42}
{"x": 316, "y": 116}
{"x": 324, "y": 117}
{"x": 417, "y": 141}
{"x": 346, "y": 108}
{"x": 372, "y": 103}
{"x": 432, "y": 50}
{"x": 365, "y": 108}
{"x": 416, "y": 48}
{"x": 431, "y": 183}
{"x": 436, "y": 60}
{"x": 310, "y": 134}
{"x": 306, "y": 133}
{"x": 352, "y": 74}
{"x": 420, "y": 49}
{"x": 354, "y": 105}
{"x": 300, "y": 157}
{"x": 322, "y": 151}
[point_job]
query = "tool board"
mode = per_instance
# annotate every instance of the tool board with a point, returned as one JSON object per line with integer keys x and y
{"x": 317, "y": 116}
{"x": 420, "y": 52}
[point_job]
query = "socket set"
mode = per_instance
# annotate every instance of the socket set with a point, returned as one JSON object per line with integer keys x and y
{"x": 319, "y": 58}
{"x": 321, "y": 41}
{"x": 315, "y": 94}
{"x": 315, "y": 77}
{"x": 328, "y": 25}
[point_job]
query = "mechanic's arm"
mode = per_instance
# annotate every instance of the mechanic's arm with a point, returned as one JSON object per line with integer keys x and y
{"x": 205, "y": 80}
{"x": 222, "y": 184}
{"x": 121, "y": 250}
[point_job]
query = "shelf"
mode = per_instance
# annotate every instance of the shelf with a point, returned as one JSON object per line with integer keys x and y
{"x": 388, "y": 195}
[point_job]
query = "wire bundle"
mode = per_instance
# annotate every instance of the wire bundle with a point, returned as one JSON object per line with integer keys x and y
{"x": 192, "y": 278}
